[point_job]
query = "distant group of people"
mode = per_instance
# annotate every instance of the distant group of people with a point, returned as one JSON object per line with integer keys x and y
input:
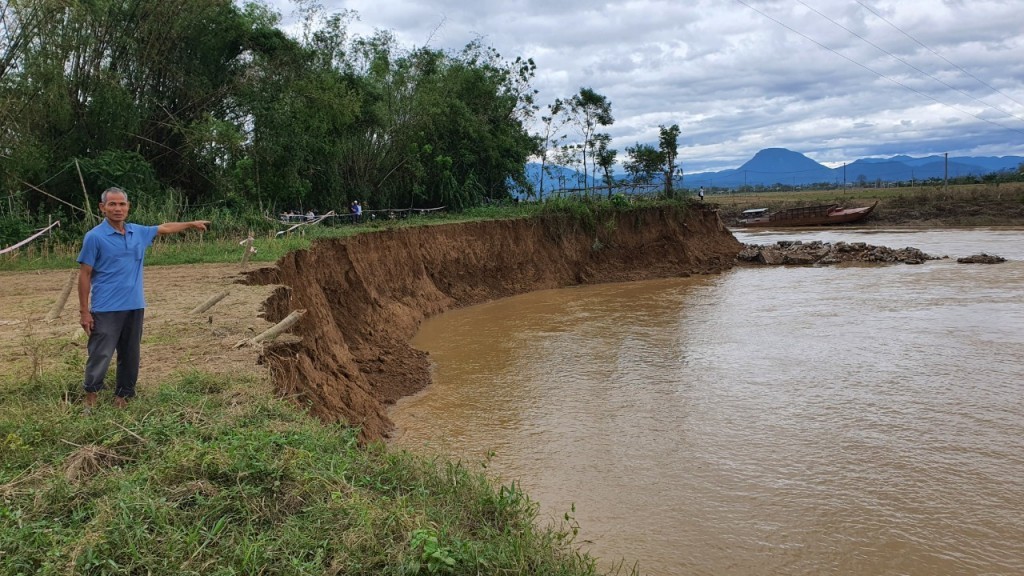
{"x": 355, "y": 210}
{"x": 293, "y": 215}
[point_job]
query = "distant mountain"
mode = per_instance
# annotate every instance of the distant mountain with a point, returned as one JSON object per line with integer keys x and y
{"x": 773, "y": 166}
{"x": 780, "y": 166}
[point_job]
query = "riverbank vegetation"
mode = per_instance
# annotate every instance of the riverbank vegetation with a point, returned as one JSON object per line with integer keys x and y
{"x": 211, "y": 474}
{"x": 226, "y": 240}
{"x": 214, "y": 108}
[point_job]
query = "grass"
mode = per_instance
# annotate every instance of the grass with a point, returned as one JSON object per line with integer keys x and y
{"x": 213, "y": 475}
{"x": 868, "y": 195}
{"x": 223, "y": 243}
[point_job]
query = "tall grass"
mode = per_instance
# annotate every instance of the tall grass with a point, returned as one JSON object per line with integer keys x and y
{"x": 210, "y": 474}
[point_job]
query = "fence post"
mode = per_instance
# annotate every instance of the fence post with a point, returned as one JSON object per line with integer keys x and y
{"x": 58, "y": 306}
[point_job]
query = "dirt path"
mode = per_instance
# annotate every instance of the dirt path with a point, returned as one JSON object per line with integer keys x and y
{"x": 174, "y": 339}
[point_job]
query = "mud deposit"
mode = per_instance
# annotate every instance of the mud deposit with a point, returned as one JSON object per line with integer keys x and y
{"x": 367, "y": 295}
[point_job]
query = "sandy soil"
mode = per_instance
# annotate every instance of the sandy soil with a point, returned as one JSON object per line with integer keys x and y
{"x": 174, "y": 340}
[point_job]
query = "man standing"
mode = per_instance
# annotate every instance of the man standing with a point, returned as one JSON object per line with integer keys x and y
{"x": 110, "y": 293}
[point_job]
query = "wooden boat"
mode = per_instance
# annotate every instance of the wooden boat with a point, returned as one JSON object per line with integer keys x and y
{"x": 822, "y": 215}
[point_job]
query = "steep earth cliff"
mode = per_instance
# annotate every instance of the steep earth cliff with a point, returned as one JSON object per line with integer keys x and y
{"x": 366, "y": 295}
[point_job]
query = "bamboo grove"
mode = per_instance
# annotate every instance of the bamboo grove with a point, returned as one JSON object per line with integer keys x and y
{"x": 211, "y": 103}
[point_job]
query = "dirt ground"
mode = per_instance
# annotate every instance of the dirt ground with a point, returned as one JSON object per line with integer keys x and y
{"x": 174, "y": 340}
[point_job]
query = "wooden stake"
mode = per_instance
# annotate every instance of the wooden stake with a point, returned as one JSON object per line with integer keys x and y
{"x": 248, "y": 250}
{"x": 275, "y": 330}
{"x": 90, "y": 217}
{"x": 209, "y": 302}
{"x": 58, "y": 306}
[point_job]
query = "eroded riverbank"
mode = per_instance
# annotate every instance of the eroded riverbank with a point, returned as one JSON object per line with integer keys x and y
{"x": 367, "y": 295}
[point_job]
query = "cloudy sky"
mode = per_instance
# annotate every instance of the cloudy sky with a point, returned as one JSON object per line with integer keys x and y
{"x": 836, "y": 80}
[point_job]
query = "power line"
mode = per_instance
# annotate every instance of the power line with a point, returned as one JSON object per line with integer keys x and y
{"x": 901, "y": 60}
{"x": 944, "y": 59}
{"x": 879, "y": 74}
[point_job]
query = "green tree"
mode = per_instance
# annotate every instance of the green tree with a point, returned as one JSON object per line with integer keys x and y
{"x": 589, "y": 111}
{"x": 214, "y": 100}
{"x": 143, "y": 76}
{"x": 668, "y": 145}
{"x": 605, "y": 159}
{"x": 644, "y": 162}
{"x": 549, "y": 138}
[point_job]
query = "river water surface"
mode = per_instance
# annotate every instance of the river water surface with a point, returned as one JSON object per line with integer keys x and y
{"x": 845, "y": 420}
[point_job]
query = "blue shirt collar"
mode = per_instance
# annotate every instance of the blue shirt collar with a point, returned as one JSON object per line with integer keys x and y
{"x": 108, "y": 229}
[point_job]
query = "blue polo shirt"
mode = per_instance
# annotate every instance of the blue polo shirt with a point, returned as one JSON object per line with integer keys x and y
{"x": 116, "y": 261}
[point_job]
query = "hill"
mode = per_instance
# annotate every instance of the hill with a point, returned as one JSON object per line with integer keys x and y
{"x": 773, "y": 166}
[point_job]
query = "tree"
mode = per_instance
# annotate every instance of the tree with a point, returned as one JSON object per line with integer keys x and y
{"x": 605, "y": 160}
{"x": 213, "y": 100}
{"x": 589, "y": 110}
{"x": 549, "y": 138}
{"x": 668, "y": 145}
{"x": 644, "y": 162}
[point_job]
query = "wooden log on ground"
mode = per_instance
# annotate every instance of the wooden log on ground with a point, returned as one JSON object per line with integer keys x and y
{"x": 209, "y": 302}
{"x": 275, "y": 330}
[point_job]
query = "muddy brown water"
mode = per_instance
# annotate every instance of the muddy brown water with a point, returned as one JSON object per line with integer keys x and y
{"x": 846, "y": 420}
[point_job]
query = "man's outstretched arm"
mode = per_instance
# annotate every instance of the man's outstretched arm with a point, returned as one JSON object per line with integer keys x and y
{"x": 175, "y": 227}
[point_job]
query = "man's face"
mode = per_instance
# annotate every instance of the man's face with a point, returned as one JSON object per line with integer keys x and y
{"x": 115, "y": 208}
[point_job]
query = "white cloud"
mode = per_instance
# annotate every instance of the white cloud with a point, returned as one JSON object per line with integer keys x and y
{"x": 801, "y": 74}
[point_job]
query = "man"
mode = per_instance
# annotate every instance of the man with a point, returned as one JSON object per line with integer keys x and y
{"x": 110, "y": 293}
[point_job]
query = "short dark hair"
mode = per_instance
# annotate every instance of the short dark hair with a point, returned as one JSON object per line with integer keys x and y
{"x": 113, "y": 190}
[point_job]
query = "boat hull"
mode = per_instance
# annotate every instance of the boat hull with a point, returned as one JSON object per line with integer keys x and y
{"x": 810, "y": 216}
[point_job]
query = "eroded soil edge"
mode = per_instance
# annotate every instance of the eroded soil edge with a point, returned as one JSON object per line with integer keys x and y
{"x": 366, "y": 295}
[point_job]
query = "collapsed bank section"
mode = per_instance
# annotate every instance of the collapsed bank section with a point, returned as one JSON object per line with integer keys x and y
{"x": 366, "y": 295}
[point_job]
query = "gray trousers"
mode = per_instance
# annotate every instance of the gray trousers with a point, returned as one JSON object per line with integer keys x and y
{"x": 115, "y": 331}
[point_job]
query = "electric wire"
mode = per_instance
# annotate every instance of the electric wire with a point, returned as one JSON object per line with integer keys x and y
{"x": 944, "y": 59}
{"x": 879, "y": 74}
{"x": 908, "y": 64}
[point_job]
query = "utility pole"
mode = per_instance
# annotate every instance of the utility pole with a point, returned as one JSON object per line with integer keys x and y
{"x": 945, "y": 177}
{"x": 844, "y": 175}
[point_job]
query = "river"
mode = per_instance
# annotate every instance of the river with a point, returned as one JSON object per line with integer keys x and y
{"x": 784, "y": 420}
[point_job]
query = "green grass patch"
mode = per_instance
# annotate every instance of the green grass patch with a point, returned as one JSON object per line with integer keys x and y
{"x": 223, "y": 243}
{"x": 212, "y": 475}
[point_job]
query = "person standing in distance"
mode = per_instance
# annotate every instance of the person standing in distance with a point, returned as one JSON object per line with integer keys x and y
{"x": 110, "y": 293}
